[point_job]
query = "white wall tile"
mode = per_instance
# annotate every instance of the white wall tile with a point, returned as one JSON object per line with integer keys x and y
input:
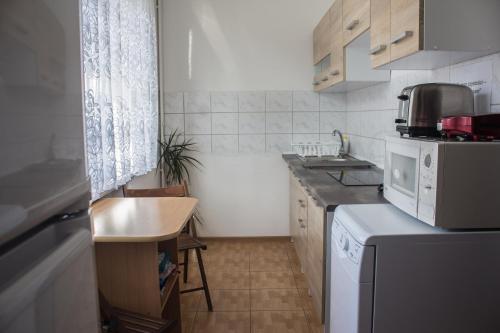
{"x": 198, "y": 123}
{"x": 471, "y": 73}
{"x": 328, "y": 121}
{"x": 174, "y": 102}
{"x": 252, "y": 143}
{"x": 252, "y": 123}
{"x": 332, "y": 102}
{"x": 305, "y": 101}
{"x": 197, "y": 102}
{"x": 306, "y": 122}
{"x": 251, "y": 101}
{"x": 174, "y": 122}
{"x": 278, "y": 143}
{"x": 305, "y": 138}
{"x": 279, "y": 122}
{"x": 224, "y": 123}
{"x": 279, "y": 101}
{"x": 203, "y": 142}
{"x": 224, "y": 101}
{"x": 225, "y": 143}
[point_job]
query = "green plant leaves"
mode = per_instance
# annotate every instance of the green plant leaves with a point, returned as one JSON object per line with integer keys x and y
{"x": 176, "y": 158}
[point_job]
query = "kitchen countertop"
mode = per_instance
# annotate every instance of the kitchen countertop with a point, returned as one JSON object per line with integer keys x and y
{"x": 328, "y": 191}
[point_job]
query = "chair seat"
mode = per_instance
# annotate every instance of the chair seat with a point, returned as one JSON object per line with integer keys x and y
{"x": 188, "y": 242}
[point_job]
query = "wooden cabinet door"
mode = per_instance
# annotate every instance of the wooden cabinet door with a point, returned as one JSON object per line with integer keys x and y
{"x": 355, "y": 17}
{"x": 294, "y": 226}
{"x": 298, "y": 219}
{"x": 315, "y": 255}
{"x": 380, "y": 32}
{"x": 337, "y": 52}
{"x": 321, "y": 39}
{"x": 406, "y": 27}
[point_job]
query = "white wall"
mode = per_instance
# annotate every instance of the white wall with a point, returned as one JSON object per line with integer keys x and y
{"x": 239, "y": 44}
{"x": 236, "y": 46}
{"x": 242, "y": 195}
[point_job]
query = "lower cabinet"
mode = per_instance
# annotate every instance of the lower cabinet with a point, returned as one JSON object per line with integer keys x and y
{"x": 315, "y": 258}
{"x": 307, "y": 228}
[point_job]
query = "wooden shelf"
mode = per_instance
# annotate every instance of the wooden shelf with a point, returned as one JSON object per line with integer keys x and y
{"x": 169, "y": 286}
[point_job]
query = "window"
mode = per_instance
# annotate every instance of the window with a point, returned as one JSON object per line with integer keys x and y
{"x": 120, "y": 90}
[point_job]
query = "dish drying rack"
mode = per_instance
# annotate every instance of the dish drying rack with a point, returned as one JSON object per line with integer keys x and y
{"x": 316, "y": 149}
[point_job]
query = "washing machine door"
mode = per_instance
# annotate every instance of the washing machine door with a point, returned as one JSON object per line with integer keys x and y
{"x": 351, "y": 300}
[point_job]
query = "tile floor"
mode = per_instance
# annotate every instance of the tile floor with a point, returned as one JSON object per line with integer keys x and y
{"x": 256, "y": 286}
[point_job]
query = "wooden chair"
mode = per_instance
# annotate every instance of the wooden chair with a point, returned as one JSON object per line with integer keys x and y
{"x": 121, "y": 321}
{"x": 187, "y": 240}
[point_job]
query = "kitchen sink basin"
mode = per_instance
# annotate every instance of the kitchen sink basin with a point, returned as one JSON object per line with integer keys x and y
{"x": 336, "y": 163}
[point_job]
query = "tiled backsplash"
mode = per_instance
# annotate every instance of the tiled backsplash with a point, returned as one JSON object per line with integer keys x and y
{"x": 260, "y": 121}
{"x": 371, "y": 111}
{"x": 253, "y": 122}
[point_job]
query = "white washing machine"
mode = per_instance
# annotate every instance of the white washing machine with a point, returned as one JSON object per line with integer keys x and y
{"x": 390, "y": 273}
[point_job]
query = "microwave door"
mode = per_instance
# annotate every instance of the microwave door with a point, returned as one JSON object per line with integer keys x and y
{"x": 401, "y": 178}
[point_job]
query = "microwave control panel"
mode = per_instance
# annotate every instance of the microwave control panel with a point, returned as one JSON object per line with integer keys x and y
{"x": 427, "y": 182}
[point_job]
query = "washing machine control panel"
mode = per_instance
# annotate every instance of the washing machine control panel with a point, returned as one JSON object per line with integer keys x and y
{"x": 345, "y": 243}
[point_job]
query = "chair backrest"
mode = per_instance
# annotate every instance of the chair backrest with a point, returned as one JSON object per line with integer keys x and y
{"x": 171, "y": 191}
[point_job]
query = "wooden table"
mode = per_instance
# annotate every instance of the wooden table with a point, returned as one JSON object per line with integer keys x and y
{"x": 129, "y": 233}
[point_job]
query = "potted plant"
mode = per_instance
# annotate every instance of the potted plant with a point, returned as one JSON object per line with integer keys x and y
{"x": 176, "y": 159}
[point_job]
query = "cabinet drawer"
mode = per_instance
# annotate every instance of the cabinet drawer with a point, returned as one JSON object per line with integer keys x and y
{"x": 356, "y": 18}
{"x": 380, "y": 33}
{"x": 406, "y": 23}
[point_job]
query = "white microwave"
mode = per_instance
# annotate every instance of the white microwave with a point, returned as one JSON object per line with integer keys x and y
{"x": 448, "y": 184}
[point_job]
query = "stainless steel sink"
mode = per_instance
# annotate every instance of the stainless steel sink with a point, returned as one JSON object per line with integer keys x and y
{"x": 336, "y": 163}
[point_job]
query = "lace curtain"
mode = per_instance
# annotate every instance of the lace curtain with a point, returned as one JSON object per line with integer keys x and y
{"x": 121, "y": 90}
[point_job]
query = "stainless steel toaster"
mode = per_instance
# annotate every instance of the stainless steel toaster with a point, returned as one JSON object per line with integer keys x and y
{"x": 421, "y": 107}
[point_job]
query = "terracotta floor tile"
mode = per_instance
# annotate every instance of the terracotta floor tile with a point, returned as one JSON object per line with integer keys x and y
{"x": 279, "y": 322}
{"x": 229, "y": 262}
{"x": 269, "y": 264}
{"x": 275, "y": 299}
{"x": 305, "y": 299}
{"x": 295, "y": 266}
{"x": 222, "y": 322}
{"x": 300, "y": 281}
{"x": 190, "y": 301}
{"x": 315, "y": 325}
{"x": 187, "y": 321}
{"x": 194, "y": 277}
{"x": 217, "y": 279}
{"x": 227, "y": 300}
{"x": 272, "y": 280}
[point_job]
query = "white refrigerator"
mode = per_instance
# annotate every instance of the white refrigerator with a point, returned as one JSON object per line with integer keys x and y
{"x": 47, "y": 266}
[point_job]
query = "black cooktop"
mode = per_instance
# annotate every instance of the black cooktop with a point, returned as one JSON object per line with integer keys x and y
{"x": 358, "y": 177}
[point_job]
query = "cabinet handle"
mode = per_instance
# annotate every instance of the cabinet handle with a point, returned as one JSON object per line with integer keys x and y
{"x": 352, "y": 25}
{"x": 402, "y": 36}
{"x": 378, "y": 49}
{"x": 315, "y": 83}
{"x": 335, "y": 72}
{"x": 300, "y": 220}
{"x": 303, "y": 226}
{"x": 301, "y": 201}
{"x": 324, "y": 79}
{"x": 303, "y": 206}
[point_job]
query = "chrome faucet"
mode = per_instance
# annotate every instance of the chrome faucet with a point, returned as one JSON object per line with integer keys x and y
{"x": 342, "y": 151}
